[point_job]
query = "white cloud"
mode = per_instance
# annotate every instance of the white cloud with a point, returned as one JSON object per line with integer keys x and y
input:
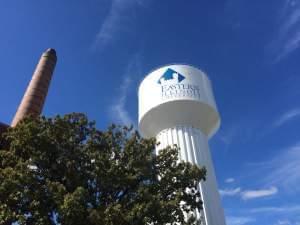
{"x": 233, "y": 220}
{"x": 281, "y": 170}
{"x": 283, "y": 222}
{"x": 228, "y": 136}
{"x": 287, "y": 38}
{"x": 116, "y": 20}
{"x": 118, "y": 110}
{"x": 251, "y": 194}
{"x": 230, "y": 192}
{"x": 230, "y": 180}
{"x": 272, "y": 209}
{"x": 284, "y": 169}
{"x": 286, "y": 117}
{"x": 248, "y": 194}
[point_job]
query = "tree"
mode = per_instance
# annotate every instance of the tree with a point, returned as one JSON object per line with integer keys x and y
{"x": 63, "y": 170}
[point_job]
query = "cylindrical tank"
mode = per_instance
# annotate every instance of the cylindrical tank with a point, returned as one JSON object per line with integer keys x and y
{"x": 36, "y": 93}
{"x": 177, "y": 106}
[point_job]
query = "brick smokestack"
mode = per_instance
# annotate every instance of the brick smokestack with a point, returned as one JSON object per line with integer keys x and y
{"x": 36, "y": 93}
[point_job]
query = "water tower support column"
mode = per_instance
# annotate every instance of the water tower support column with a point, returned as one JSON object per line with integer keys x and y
{"x": 193, "y": 145}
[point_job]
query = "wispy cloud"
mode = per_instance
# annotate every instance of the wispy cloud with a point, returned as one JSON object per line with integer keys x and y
{"x": 281, "y": 209}
{"x": 288, "y": 35}
{"x": 230, "y": 180}
{"x": 228, "y": 136}
{"x": 252, "y": 194}
{"x": 283, "y": 222}
{"x": 280, "y": 172}
{"x": 282, "y": 213}
{"x": 118, "y": 110}
{"x": 283, "y": 170}
{"x": 230, "y": 192}
{"x": 286, "y": 117}
{"x": 233, "y": 220}
{"x": 248, "y": 194}
{"x": 117, "y": 20}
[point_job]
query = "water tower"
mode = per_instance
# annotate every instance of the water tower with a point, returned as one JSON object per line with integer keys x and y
{"x": 177, "y": 106}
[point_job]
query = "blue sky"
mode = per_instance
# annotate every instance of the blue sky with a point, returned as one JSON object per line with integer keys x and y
{"x": 249, "y": 49}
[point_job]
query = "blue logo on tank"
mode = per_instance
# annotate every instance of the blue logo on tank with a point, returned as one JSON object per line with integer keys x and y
{"x": 170, "y": 77}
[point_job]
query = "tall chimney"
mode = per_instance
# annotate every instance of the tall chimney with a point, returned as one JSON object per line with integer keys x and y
{"x": 36, "y": 93}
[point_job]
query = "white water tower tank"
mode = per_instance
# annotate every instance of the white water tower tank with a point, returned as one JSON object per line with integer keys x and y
{"x": 177, "y": 106}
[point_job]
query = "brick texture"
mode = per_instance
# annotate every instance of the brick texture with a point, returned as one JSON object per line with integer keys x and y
{"x": 36, "y": 93}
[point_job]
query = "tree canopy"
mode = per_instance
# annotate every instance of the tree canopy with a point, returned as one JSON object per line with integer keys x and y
{"x": 63, "y": 170}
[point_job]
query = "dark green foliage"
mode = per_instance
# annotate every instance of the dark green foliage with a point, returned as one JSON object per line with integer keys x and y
{"x": 63, "y": 170}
